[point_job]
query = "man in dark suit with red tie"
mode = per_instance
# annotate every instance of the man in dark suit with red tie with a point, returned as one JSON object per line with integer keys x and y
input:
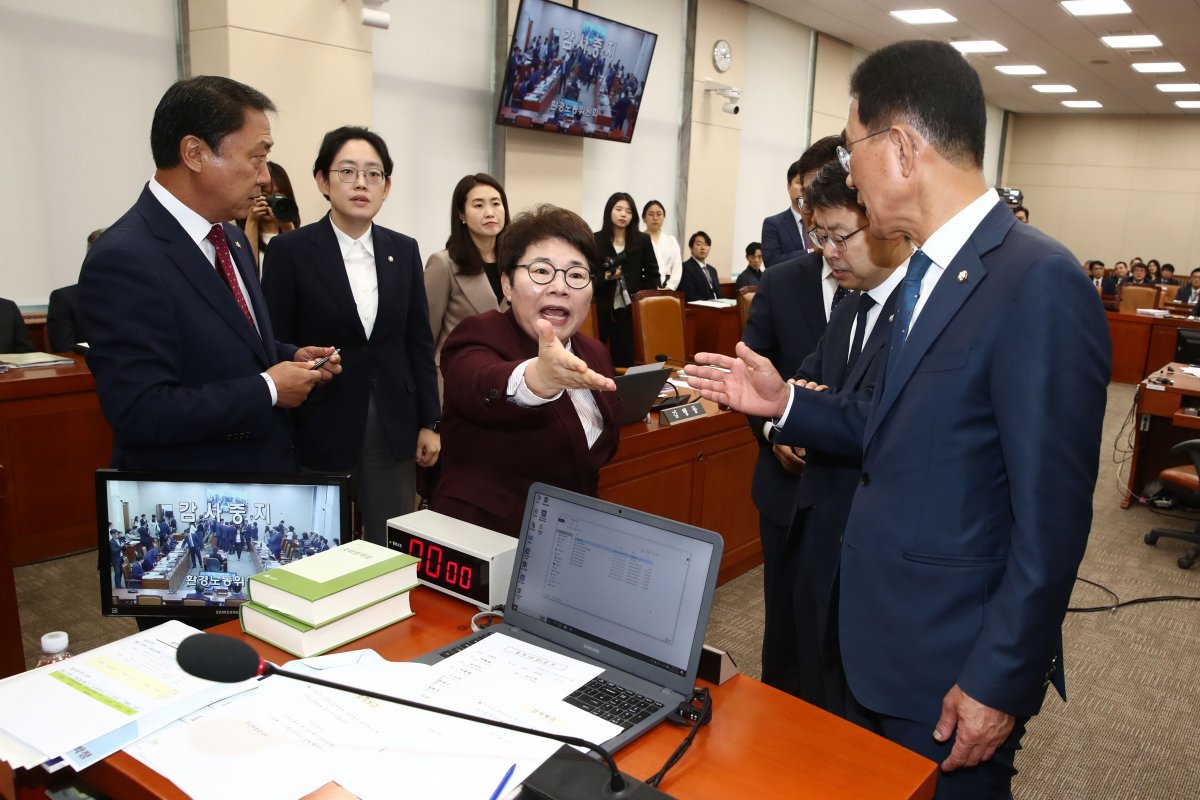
{"x": 187, "y": 368}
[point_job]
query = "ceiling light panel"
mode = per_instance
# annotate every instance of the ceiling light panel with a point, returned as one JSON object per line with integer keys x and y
{"x": 1188, "y": 103}
{"x": 1054, "y": 88}
{"x": 1130, "y": 42}
{"x": 1082, "y": 104}
{"x": 1021, "y": 69}
{"x": 1177, "y": 87}
{"x": 1159, "y": 67}
{"x": 1095, "y": 8}
{"x": 970, "y": 46}
{"x": 924, "y": 16}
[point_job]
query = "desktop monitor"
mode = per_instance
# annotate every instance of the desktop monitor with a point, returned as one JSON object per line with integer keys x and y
{"x": 574, "y": 73}
{"x": 1187, "y": 346}
{"x": 211, "y": 532}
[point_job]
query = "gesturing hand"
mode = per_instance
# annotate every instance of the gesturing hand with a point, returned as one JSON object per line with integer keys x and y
{"x": 557, "y": 369}
{"x": 748, "y": 383}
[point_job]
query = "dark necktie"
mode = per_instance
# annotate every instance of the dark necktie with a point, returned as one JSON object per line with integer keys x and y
{"x": 225, "y": 269}
{"x": 906, "y": 303}
{"x": 865, "y": 304}
{"x": 838, "y": 296}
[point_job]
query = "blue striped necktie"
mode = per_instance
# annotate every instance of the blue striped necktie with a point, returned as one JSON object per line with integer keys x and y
{"x": 906, "y": 303}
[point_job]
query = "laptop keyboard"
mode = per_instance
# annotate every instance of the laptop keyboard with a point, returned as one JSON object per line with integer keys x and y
{"x": 613, "y": 703}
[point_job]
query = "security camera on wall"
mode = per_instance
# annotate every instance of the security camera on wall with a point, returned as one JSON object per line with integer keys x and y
{"x": 732, "y": 95}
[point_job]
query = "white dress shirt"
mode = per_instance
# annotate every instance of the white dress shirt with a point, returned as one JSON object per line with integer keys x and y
{"x": 829, "y": 287}
{"x": 670, "y": 260}
{"x": 359, "y": 258}
{"x": 879, "y": 294}
{"x": 585, "y": 405}
{"x": 943, "y": 245}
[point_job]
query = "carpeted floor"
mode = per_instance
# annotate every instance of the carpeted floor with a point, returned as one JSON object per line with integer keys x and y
{"x": 1130, "y": 730}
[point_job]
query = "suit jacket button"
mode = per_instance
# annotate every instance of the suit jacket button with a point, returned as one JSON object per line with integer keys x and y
{"x": 865, "y": 480}
{"x": 491, "y": 396}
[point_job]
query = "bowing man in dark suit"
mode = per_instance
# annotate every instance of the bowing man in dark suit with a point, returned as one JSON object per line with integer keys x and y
{"x": 787, "y": 319}
{"x": 975, "y": 498}
{"x": 345, "y": 280}
{"x": 14, "y": 335}
{"x": 785, "y": 235}
{"x": 528, "y": 397}
{"x": 187, "y": 367}
{"x": 700, "y": 281}
{"x": 628, "y": 265}
{"x": 846, "y": 362}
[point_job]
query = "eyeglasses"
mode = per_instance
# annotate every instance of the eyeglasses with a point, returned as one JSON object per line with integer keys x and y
{"x": 542, "y": 271}
{"x": 843, "y": 153}
{"x": 348, "y": 175}
{"x": 838, "y": 241}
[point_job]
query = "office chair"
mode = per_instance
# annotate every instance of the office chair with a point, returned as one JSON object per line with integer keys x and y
{"x": 149, "y": 600}
{"x": 1167, "y": 295}
{"x": 1135, "y": 297}
{"x": 658, "y": 327}
{"x": 1187, "y": 478}
{"x": 745, "y": 296}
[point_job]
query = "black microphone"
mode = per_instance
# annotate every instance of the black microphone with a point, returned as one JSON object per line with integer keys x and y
{"x": 227, "y": 660}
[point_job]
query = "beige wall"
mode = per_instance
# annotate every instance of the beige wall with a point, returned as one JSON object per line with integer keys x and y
{"x": 715, "y": 135}
{"x": 1111, "y": 187}
{"x": 311, "y": 57}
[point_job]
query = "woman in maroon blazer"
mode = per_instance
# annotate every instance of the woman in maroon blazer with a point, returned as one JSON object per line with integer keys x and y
{"x": 528, "y": 398}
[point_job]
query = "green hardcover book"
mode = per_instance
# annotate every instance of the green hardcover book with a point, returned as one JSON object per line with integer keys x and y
{"x": 304, "y": 640}
{"x": 329, "y": 585}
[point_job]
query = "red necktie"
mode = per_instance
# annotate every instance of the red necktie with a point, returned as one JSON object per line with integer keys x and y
{"x": 225, "y": 269}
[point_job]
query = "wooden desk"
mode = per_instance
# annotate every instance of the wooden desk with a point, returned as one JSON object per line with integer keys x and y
{"x": 52, "y": 439}
{"x": 12, "y": 649}
{"x": 1160, "y": 412}
{"x": 696, "y": 472}
{"x": 761, "y": 743}
{"x": 1142, "y": 344}
{"x": 711, "y": 330}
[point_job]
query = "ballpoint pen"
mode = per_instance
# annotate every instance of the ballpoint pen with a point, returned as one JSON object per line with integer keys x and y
{"x": 503, "y": 783}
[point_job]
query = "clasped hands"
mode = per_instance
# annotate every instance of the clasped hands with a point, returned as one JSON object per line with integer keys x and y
{"x": 556, "y": 369}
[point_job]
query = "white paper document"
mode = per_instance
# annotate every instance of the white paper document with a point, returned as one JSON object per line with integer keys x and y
{"x": 111, "y": 696}
{"x": 376, "y": 749}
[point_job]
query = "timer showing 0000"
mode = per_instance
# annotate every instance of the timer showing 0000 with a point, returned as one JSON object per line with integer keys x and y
{"x": 435, "y": 567}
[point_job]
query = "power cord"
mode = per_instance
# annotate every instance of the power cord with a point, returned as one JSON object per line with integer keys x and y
{"x": 693, "y": 714}
{"x": 487, "y": 618}
{"x": 1117, "y": 602}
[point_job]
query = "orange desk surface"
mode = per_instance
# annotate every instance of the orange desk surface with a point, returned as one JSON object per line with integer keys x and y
{"x": 761, "y": 743}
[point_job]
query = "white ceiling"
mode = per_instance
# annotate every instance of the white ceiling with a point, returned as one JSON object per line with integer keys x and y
{"x": 1037, "y": 32}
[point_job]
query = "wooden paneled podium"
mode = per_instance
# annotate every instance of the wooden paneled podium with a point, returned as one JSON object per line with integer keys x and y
{"x": 53, "y": 438}
{"x": 761, "y": 742}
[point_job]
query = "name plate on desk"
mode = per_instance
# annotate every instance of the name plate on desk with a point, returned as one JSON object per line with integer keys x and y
{"x": 684, "y": 413}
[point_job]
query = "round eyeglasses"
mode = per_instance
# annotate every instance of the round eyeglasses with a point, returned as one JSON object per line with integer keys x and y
{"x": 542, "y": 271}
{"x": 838, "y": 241}
{"x": 374, "y": 177}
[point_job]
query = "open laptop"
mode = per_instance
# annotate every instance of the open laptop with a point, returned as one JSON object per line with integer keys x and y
{"x": 617, "y": 588}
{"x": 638, "y": 389}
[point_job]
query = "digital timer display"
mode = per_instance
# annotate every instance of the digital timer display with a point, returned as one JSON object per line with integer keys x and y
{"x": 444, "y": 567}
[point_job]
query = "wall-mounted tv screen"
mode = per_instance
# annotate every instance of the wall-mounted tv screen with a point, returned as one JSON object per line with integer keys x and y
{"x": 574, "y": 73}
{"x": 183, "y": 545}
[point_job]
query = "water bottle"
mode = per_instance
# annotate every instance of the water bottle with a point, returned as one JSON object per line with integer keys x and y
{"x": 54, "y": 648}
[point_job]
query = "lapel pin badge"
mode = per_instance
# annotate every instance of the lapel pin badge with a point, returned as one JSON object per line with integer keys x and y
{"x": 238, "y": 245}
{"x": 892, "y": 318}
{"x": 962, "y": 276}
{"x": 391, "y": 259}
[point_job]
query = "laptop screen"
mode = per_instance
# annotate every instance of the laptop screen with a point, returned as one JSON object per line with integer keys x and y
{"x": 630, "y": 582}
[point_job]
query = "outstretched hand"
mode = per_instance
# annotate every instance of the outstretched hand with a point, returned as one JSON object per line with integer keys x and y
{"x": 748, "y": 383}
{"x": 557, "y": 369}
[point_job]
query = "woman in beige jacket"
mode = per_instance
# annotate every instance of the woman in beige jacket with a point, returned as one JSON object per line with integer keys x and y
{"x": 463, "y": 280}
